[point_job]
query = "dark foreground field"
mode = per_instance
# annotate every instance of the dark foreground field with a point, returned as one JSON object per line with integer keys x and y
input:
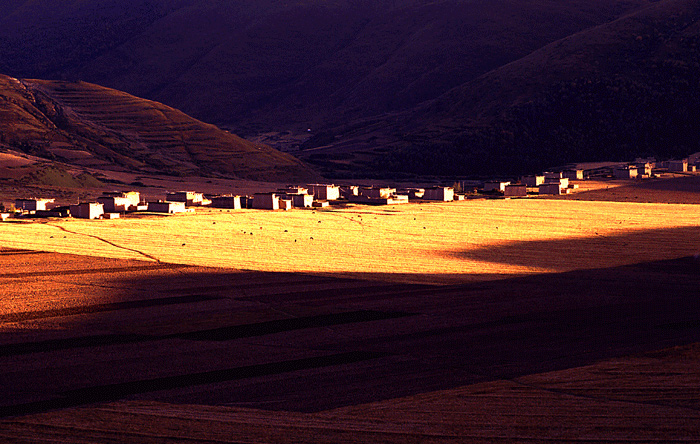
{"x": 105, "y": 350}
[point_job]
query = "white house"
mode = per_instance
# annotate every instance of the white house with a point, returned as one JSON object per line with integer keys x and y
{"x": 495, "y": 186}
{"x": 324, "y": 191}
{"x": 625, "y": 172}
{"x": 445, "y": 194}
{"x": 573, "y": 174}
{"x": 349, "y": 190}
{"x": 301, "y": 200}
{"x": 189, "y": 197}
{"x": 35, "y": 204}
{"x": 285, "y": 204}
{"x": 266, "y": 201}
{"x": 552, "y": 188}
{"x": 377, "y": 192}
{"x": 643, "y": 168}
{"x": 167, "y": 207}
{"x": 552, "y": 176}
{"x": 118, "y": 202}
{"x": 515, "y": 190}
{"x": 678, "y": 166}
{"x": 233, "y": 202}
{"x": 532, "y": 181}
{"x": 91, "y": 210}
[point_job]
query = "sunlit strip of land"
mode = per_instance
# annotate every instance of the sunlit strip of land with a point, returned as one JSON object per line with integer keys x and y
{"x": 437, "y": 242}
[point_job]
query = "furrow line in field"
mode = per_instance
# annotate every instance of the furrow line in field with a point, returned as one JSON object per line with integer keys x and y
{"x": 146, "y": 255}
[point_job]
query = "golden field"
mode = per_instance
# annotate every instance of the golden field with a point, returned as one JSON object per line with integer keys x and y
{"x": 436, "y": 242}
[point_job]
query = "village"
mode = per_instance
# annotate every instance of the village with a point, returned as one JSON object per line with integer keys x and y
{"x": 114, "y": 204}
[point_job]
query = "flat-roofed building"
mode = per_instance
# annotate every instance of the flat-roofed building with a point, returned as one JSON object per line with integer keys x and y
{"x": 444, "y": 194}
{"x": 299, "y": 196}
{"x": 293, "y": 189}
{"x": 33, "y": 204}
{"x": 167, "y": 207}
{"x": 643, "y": 169}
{"x": 119, "y": 202}
{"x": 515, "y": 190}
{"x": 285, "y": 204}
{"x": 377, "y": 192}
{"x": 325, "y": 191}
{"x": 190, "y": 198}
{"x": 573, "y": 174}
{"x": 231, "y": 202}
{"x": 552, "y": 188}
{"x": 552, "y": 176}
{"x": 87, "y": 210}
{"x": 301, "y": 200}
{"x": 627, "y": 172}
{"x": 678, "y": 166}
{"x": 349, "y": 190}
{"x": 397, "y": 199}
{"x": 491, "y": 186}
{"x": 266, "y": 201}
{"x": 532, "y": 181}
{"x": 413, "y": 193}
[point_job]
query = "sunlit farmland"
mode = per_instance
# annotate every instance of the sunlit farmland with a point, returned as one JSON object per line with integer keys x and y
{"x": 437, "y": 242}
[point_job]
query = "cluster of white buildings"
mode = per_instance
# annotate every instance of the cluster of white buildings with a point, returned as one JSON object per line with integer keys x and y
{"x": 112, "y": 204}
{"x": 556, "y": 183}
{"x": 548, "y": 183}
{"x": 108, "y": 206}
{"x": 322, "y": 195}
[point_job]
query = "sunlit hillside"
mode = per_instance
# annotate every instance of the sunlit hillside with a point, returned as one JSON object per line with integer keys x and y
{"x": 91, "y": 126}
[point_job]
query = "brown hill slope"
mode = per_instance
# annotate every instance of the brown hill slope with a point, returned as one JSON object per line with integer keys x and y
{"x": 274, "y": 65}
{"x": 91, "y": 126}
{"x": 624, "y": 89}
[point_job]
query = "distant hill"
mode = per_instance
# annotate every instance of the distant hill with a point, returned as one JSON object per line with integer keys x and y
{"x": 613, "y": 92}
{"x": 388, "y": 86}
{"x": 273, "y": 65}
{"x": 91, "y": 126}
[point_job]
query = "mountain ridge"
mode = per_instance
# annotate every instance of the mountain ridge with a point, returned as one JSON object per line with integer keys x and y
{"x": 92, "y": 126}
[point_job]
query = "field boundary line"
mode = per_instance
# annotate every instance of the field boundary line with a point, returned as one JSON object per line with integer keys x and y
{"x": 146, "y": 255}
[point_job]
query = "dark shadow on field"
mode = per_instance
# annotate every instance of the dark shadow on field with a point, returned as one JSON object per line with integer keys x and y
{"x": 285, "y": 341}
{"x": 676, "y": 190}
{"x": 688, "y": 184}
{"x": 591, "y": 252}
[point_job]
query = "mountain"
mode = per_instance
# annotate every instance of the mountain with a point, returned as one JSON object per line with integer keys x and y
{"x": 265, "y": 65}
{"x": 91, "y": 126}
{"x": 386, "y": 86}
{"x": 624, "y": 89}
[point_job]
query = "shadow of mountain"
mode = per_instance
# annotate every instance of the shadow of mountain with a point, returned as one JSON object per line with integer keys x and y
{"x": 591, "y": 252}
{"x": 676, "y": 190}
{"x": 284, "y": 341}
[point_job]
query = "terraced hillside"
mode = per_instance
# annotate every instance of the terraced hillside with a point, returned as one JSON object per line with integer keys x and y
{"x": 91, "y": 126}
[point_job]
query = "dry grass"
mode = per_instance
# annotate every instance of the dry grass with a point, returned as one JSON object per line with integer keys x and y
{"x": 570, "y": 406}
{"x": 439, "y": 243}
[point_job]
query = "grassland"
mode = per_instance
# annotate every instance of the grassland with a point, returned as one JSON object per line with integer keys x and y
{"x": 565, "y": 321}
{"x": 437, "y": 243}
{"x": 106, "y": 350}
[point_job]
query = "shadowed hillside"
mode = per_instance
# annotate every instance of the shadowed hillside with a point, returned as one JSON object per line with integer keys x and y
{"x": 447, "y": 87}
{"x": 625, "y": 89}
{"x": 261, "y": 65}
{"x": 91, "y": 126}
